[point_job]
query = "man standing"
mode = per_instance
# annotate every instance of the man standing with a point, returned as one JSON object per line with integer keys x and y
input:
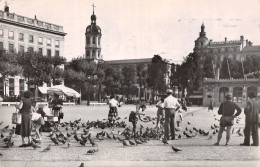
{"x": 171, "y": 105}
{"x": 227, "y": 110}
{"x": 251, "y": 111}
{"x": 113, "y": 103}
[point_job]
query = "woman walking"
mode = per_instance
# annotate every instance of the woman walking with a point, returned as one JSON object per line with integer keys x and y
{"x": 26, "y": 125}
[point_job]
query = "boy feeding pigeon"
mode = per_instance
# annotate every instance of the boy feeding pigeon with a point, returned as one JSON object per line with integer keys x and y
{"x": 135, "y": 115}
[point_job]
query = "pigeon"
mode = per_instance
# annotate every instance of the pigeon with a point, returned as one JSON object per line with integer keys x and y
{"x": 82, "y": 143}
{"x": 188, "y": 123}
{"x": 108, "y": 136}
{"x": 1, "y": 154}
{"x": 138, "y": 141}
{"x": 1, "y": 122}
{"x": 240, "y": 134}
{"x": 92, "y": 151}
{"x": 124, "y": 143}
{"x": 68, "y": 144}
{"x": 165, "y": 141}
{"x": 179, "y": 136}
{"x": 55, "y": 141}
{"x": 131, "y": 143}
{"x": 114, "y": 137}
{"x": 35, "y": 145}
{"x": 77, "y": 138}
{"x": 210, "y": 137}
{"x": 176, "y": 149}
{"x": 118, "y": 138}
{"x": 238, "y": 130}
{"x": 188, "y": 136}
{"x": 92, "y": 141}
{"x": 81, "y": 165}
{"x": 2, "y": 136}
{"x": 6, "y": 127}
{"x": 48, "y": 148}
{"x": 35, "y": 141}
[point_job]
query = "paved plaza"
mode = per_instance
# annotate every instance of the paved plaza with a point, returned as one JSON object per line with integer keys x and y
{"x": 196, "y": 151}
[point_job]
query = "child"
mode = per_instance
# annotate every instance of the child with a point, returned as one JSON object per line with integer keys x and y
{"x": 112, "y": 114}
{"x": 178, "y": 118}
{"x": 160, "y": 113}
{"x": 38, "y": 120}
{"x": 135, "y": 115}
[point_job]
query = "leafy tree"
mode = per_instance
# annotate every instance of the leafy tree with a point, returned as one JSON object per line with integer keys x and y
{"x": 208, "y": 70}
{"x": 9, "y": 65}
{"x": 142, "y": 74}
{"x": 113, "y": 80}
{"x": 56, "y": 72}
{"x": 129, "y": 77}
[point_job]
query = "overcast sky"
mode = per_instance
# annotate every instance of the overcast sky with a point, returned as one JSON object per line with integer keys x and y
{"x": 142, "y": 28}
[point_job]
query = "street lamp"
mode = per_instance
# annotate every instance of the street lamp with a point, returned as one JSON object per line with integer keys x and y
{"x": 88, "y": 91}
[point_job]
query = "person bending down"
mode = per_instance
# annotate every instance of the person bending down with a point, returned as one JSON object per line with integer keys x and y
{"x": 135, "y": 116}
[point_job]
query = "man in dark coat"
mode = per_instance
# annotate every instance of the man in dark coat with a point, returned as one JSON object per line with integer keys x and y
{"x": 252, "y": 111}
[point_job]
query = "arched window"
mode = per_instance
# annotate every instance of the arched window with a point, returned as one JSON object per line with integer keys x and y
{"x": 237, "y": 94}
{"x": 99, "y": 54}
{"x": 88, "y": 40}
{"x": 93, "y": 53}
{"x": 93, "y": 40}
{"x": 88, "y": 53}
{"x": 99, "y": 40}
{"x": 252, "y": 90}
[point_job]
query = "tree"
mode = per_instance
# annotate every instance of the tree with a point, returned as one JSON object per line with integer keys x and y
{"x": 9, "y": 65}
{"x": 129, "y": 77}
{"x": 56, "y": 72}
{"x": 208, "y": 70}
{"x": 156, "y": 75}
{"x": 141, "y": 77}
{"x": 113, "y": 80}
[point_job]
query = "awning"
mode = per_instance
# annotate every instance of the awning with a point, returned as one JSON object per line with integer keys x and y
{"x": 61, "y": 89}
{"x": 43, "y": 90}
{"x": 195, "y": 96}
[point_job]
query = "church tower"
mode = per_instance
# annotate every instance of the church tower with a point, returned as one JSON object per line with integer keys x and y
{"x": 202, "y": 40}
{"x": 93, "y": 40}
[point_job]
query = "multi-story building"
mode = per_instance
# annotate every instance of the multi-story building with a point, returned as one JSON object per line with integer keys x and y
{"x": 18, "y": 34}
{"x": 215, "y": 88}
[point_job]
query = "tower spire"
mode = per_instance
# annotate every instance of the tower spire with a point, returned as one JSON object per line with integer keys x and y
{"x": 93, "y": 8}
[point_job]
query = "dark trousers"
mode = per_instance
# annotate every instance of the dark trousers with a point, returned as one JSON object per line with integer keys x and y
{"x": 134, "y": 128}
{"x": 251, "y": 127}
{"x": 169, "y": 123}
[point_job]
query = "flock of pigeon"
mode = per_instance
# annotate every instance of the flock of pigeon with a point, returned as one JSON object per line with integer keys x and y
{"x": 82, "y": 133}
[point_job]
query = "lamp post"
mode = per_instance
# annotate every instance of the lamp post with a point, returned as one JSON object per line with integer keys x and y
{"x": 88, "y": 91}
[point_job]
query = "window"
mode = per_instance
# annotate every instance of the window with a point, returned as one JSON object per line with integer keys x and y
{"x": 48, "y": 42}
{"x": 1, "y": 33}
{"x": 30, "y": 49}
{"x": 201, "y": 43}
{"x": 57, "y": 53}
{"x": 88, "y": 54}
{"x": 94, "y": 54}
{"x": 11, "y": 35}
{"x": 40, "y": 40}
{"x": 40, "y": 50}
{"x": 88, "y": 40}
{"x": 21, "y": 86}
{"x": 57, "y": 44}
{"x": 21, "y": 38}
{"x": 1, "y": 45}
{"x": 99, "y": 40}
{"x": 94, "y": 40}
{"x": 21, "y": 48}
{"x": 11, "y": 47}
{"x": 48, "y": 52}
{"x": 237, "y": 94}
{"x": 31, "y": 38}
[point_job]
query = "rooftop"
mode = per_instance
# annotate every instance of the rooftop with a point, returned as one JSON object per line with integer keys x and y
{"x": 223, "y": 43}
{"x": 130, "y": 61}
{"x": 18, "y": 20}
{"x": 251, "y": 49}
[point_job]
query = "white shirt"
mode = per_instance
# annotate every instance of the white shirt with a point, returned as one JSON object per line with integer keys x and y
{"x": 160, "y": 104}
{"x": 178, "y": 116}
{"x": 113, "y": 103}
{"x": 171, "y": 102}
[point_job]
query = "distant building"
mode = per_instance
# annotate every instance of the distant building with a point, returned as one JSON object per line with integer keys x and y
{"x": 18, "y": 34}
{"x": 216, "y": 88}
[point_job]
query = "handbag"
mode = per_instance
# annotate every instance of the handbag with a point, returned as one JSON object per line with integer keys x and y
{"x": 35, "y": 116}
{"x": 16, "y": 118}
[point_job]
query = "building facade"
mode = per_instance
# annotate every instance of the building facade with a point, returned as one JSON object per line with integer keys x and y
{"x": 19, "y": 34}
{"x": 215, "y": 88}
{"x": 93, "y": 40}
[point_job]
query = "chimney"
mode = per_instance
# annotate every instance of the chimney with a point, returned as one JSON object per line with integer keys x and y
{"x": 225, "y": 39}
{"x": 242, "y": 41}
{"x": 6, "y": 7}
{"x": 246, "y": 42}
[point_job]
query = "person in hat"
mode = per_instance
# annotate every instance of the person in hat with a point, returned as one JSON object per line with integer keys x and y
{"x": 227, "y": 110}
{"x": 252, "y": 111}
{"x": 171, "y": 105}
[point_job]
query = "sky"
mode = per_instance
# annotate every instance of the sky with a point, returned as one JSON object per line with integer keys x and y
{"x": 133, "y": 29}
